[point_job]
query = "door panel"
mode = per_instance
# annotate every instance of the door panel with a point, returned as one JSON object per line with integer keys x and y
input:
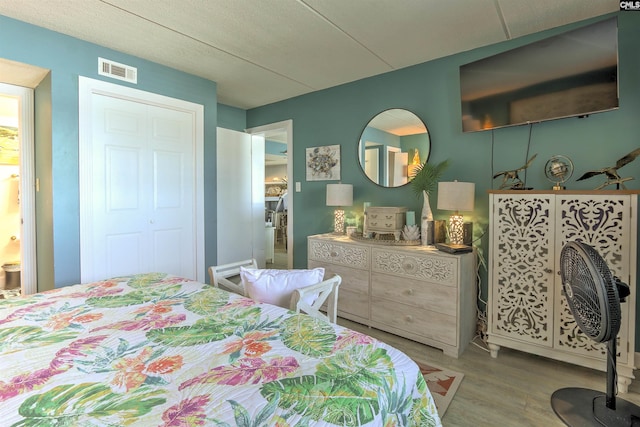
{"x": 122, "y": 179}
{"x": 124, "y": 253}
{"x": 240, "y": 197}
{"x": 168, "y": 179}
{"x": 143, "y": 189}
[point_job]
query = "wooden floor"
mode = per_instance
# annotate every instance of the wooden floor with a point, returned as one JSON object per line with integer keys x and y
{"x": 511, "y": 390}
{"x": 279, "y": 257}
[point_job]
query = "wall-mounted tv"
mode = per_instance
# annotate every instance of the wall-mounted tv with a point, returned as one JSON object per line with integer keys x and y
{"x": 567, "y": 75}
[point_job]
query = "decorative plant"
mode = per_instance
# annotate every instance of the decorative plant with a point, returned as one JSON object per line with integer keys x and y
{"x": 427, "y": 176}
{"x": 424, "y": 181}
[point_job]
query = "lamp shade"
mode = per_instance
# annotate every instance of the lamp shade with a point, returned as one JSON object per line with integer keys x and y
{"x": 456, "y": 196}
{"x": 339, "y": 194}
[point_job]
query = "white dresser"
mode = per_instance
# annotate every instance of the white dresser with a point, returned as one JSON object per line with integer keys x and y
{"x": 416, "y": 292}
{"x": 527, "y": 308}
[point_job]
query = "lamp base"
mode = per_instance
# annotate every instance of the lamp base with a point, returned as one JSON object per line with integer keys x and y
{"x": 456, "y": 229}
{"x": 338, "y": 221}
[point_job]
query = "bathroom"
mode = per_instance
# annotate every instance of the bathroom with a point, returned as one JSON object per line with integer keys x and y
{"x": 9, "y": 197}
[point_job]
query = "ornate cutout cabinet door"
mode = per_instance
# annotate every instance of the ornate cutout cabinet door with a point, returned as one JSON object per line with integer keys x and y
{"x": 523, "y": 276}
{"x": 527, "y": 307}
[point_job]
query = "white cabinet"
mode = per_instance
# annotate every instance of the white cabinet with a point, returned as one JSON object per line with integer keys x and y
{"x": 527, "y": 307}
{"x": 413, "y": 291}
{"x": 269, "y": 243}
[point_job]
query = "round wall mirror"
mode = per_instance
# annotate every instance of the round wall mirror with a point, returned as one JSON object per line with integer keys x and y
{"x": 391, "y": 145}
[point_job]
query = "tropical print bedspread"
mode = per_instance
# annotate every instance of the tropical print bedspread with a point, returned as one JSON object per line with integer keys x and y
{"x": 157, "y": 350}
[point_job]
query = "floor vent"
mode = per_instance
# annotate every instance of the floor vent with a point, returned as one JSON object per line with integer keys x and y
{"x": 117, "y": 71}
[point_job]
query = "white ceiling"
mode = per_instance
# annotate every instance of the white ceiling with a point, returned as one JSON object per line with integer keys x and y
{"x": 263, "y": 51}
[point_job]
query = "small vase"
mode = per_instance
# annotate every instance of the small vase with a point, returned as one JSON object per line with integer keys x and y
{"x": 426, "y": 223}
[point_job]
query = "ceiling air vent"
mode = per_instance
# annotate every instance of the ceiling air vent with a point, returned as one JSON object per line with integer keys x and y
{"x": 117, "y": 71}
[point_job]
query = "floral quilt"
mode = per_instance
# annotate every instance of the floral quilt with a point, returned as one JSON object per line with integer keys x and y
{"x": 158, "y": 350}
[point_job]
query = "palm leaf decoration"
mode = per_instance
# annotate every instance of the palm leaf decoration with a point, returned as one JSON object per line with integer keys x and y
{"x": 87, "y": 404}
{"x": 140, "y": 296}
{"x": 343, "y": 390}
{"x": 208, "y": 329}
{"x": 139, "y": 281}
{"x": 308, "y": 335}
{"x": 20, "y": 338}
{"x": 318, "y": 398}
{"x": 207, "y": 302}
{"x": 427, "y": 176}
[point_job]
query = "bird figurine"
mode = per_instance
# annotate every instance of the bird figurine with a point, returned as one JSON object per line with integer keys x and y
{"x": 510, "y": 179}
{"x": 612, "y": 172}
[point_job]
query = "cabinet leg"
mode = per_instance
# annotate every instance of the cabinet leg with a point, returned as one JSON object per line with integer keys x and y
{"x": 494, "y": 349}
{"x": 623, "y": 384}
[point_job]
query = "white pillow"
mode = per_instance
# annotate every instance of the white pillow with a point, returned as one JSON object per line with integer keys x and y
{"x": 276, "y": 286}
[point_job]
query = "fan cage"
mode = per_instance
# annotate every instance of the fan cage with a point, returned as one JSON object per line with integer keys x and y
{"x": 591, "y": 291}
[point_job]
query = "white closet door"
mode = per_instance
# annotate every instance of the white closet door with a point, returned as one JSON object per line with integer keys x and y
{"x": 143, "y": 189}
{"x": 240, "y": 196}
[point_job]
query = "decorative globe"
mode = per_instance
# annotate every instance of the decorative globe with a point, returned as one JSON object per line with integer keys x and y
{"x": 558, "y": 170}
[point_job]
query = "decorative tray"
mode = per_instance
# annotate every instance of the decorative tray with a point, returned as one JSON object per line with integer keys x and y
{"x": 389, "y": 242}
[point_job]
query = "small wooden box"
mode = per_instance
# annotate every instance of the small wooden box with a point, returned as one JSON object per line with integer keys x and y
{"x": 385, "y": 220}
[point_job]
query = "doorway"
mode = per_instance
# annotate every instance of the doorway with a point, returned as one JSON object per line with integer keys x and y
{"x": 17, "y": 178}
{"x": 279, "y": 161}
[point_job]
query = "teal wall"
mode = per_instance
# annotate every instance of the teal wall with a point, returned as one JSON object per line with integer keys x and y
{"x": 68, "y": 58}
{"x": 431, "y": 90}
{"x": 332, "y": 116}
{"x": 232, "y": 118}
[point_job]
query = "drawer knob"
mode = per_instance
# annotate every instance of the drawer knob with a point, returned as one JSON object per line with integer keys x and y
{"x": 409, "y": 292}
{"x": 333, "y": 254}
{"x": 408, "y": 318}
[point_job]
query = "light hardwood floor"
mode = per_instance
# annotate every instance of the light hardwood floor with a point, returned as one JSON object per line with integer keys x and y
{"x": 279, "y": 258}
{"x": 512, "y": 390}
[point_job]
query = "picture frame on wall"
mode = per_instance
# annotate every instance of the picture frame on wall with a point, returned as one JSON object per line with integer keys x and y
{"x": 323, "y": 163}
{"x": 9, "y": 145}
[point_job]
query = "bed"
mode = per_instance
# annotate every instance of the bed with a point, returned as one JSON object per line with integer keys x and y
{"x": 159, "y": 350}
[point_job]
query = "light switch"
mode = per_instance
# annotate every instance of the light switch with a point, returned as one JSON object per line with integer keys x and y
{"x": 298, "y": 189}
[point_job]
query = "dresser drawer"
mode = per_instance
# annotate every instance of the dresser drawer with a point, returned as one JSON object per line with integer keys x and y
{"x": 350, "y": 255}
{"x": 399, "y": 318}
{"x": 435, "y": 268}
{"x": 353, "y": 304}
{"x": 419, "y": 294}
{"x": 353, "y": 280}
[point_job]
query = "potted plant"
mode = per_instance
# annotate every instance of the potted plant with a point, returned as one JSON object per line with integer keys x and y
{"x": 424, "y": 181}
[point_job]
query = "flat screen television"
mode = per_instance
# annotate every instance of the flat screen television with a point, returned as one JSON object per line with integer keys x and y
{"x": 567, "y": 75}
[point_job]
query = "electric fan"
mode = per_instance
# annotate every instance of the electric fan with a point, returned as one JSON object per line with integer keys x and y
{"x": 593, "y": 295}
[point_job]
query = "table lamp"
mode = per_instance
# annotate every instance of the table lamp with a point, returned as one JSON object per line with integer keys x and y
{"x": 456, "y": 196}
{"x": 339, "y": 195}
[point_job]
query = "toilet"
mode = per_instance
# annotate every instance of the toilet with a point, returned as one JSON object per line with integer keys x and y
{"x": 12, "y": 275}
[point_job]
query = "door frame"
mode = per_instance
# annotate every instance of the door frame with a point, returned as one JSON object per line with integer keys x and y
{"x": 88, "y": 87}
{"x": 28, "y": 260}
{"x": 279, "y": 127}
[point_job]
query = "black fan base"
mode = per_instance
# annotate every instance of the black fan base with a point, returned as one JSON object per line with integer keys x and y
{"x": 581, "y": 407}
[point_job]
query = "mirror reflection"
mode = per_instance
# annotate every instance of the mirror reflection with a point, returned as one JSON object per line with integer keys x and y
{"x": 391, "y": 145}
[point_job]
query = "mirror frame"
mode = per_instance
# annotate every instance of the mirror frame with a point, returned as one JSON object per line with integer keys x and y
{"x": 403, "y": 125}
